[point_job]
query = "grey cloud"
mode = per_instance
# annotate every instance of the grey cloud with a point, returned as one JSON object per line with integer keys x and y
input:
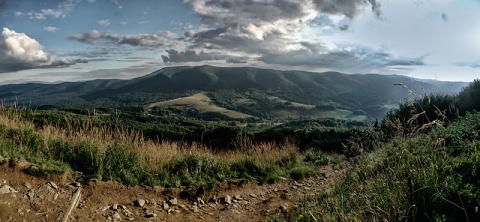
{"x": 188, "y": 56}
{"x": 350, "y": 59}
{"x": 314, "y": 47}
{"x": 445, "y": 17}
{"x": 344, "y": 27}
{"x": 3, "y": 5}
{"x": 349, "y": 8}
{"x": 148, "y": 41}
{"x": 236, "y": 60}
{"x": 192, "y": 56}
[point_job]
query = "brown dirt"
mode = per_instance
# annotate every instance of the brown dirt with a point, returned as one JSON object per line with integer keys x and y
{"x": 48, "y": 199}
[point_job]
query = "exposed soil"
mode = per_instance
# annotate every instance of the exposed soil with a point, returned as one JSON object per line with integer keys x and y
{"x": 28, "y": 198}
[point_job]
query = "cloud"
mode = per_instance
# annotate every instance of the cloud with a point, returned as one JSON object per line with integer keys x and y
{"x": 117, "y": 4}
{"x": 18, "y": 14}
{"x": 188, "y": 56}
{"x": 123, "y": 23}
{"x": 3, "y": 5}
{"x": 91, "y": 1}
{"x": 144, "y": 22}
{"x": 259, "y": 28}
{"x": 61, "y": 12}
{"x": 20, "y": 52}
{"x": 445, "y": 17}
{"x": 50, "y": 29}
{"x": 349, "y": 8}
{"x": 147, "y": 41}
{"x": 348, "y": 58}
{"x": 104, "y": 22}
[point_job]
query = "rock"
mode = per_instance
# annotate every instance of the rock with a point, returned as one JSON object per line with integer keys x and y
{"x": 114, "y": 206}
{"x": 237, "y": 197}
{"x": 77, "y": 184}
{"x": 27, "y": 185}
{"x": 177, "y": 211}
{"x": 200, "y": 201}
{"x": 30, "y": 194}
{"x": 53, "y": 185}
{"x": 227, "y": 199}
{"x": 116, "y": 216}
{"x": 283, "y": 208}
{"x": 103, "y": 209}
{"x": 4, "y": 189}
{"x": 213, "y": 200}
{"x": 253, "y": 195}
{"x": 23, "y": 165}
{"x": 165, "y": 206}
{"x": 150, "y": 215}
{"x": 173, "y": 201}
{"x": 139, "y": 203}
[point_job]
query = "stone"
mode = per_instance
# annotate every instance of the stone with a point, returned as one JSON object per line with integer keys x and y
{"x": 150, "y": 215}
{"x": 53, "y": 185}
{"x": 177, "y": 211}
{"x": 114, "y": 206}
{"x": 173, "y": 201}
{"x": 116, "y": 216}
{"x": 253, "y": 195}
{"x": 4, "y": 189}
{"x": 213, "y": 200}
{"x": 139, "y": 203}
{"x": 165, "y": 206}
{"x": 103, "y": 209}
{"x": 227, "y": 199}
{"x": 237, "y": 197}
{"x": 200, "y": 201}
{"x": 27, "y": 185}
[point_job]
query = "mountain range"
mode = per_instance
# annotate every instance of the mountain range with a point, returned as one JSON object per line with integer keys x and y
{"x": 253, "y": 91}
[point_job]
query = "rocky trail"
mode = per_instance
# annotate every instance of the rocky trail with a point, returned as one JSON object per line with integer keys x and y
{"x": 28, "y": 198}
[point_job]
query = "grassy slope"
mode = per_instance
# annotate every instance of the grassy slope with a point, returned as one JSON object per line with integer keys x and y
{"x": 126, "y": 156}
{"x": 200, "y": 102}
{"x": 433, "y": 177}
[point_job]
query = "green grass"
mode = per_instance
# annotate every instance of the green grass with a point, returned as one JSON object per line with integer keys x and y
{"x": 126, "y": 156}
{"x": 431, "y": 177}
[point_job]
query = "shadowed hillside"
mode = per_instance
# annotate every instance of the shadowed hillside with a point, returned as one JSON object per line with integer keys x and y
{"x": 371, "y": 94}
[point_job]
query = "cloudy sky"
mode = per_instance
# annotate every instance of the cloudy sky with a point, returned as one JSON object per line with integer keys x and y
{"x": 73, "y": 40}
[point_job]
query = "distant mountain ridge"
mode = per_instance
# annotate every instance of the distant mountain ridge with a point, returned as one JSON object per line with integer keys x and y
{"x": 354, "y": 91}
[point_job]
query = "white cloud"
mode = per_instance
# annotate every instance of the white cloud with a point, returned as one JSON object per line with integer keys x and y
{"x": 144, "y": 22}
{"x": 19, "y": 52}
{"x": 18, "y": 14}
{"x": 104, "y": 22}
{"x": 50, "y": 29}
{"x": 91, "y": 1}
{"x": 61, "y": 12}
{"x": 122, "y": 23}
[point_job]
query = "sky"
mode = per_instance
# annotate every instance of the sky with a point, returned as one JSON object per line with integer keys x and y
{"x": 77, "y": 40}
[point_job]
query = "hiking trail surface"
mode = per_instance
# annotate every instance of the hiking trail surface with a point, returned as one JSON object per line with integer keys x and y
{"x": 24, "y": 197}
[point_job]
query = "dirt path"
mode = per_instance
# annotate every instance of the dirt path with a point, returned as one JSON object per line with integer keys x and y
{"x": 27, "y": 198}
